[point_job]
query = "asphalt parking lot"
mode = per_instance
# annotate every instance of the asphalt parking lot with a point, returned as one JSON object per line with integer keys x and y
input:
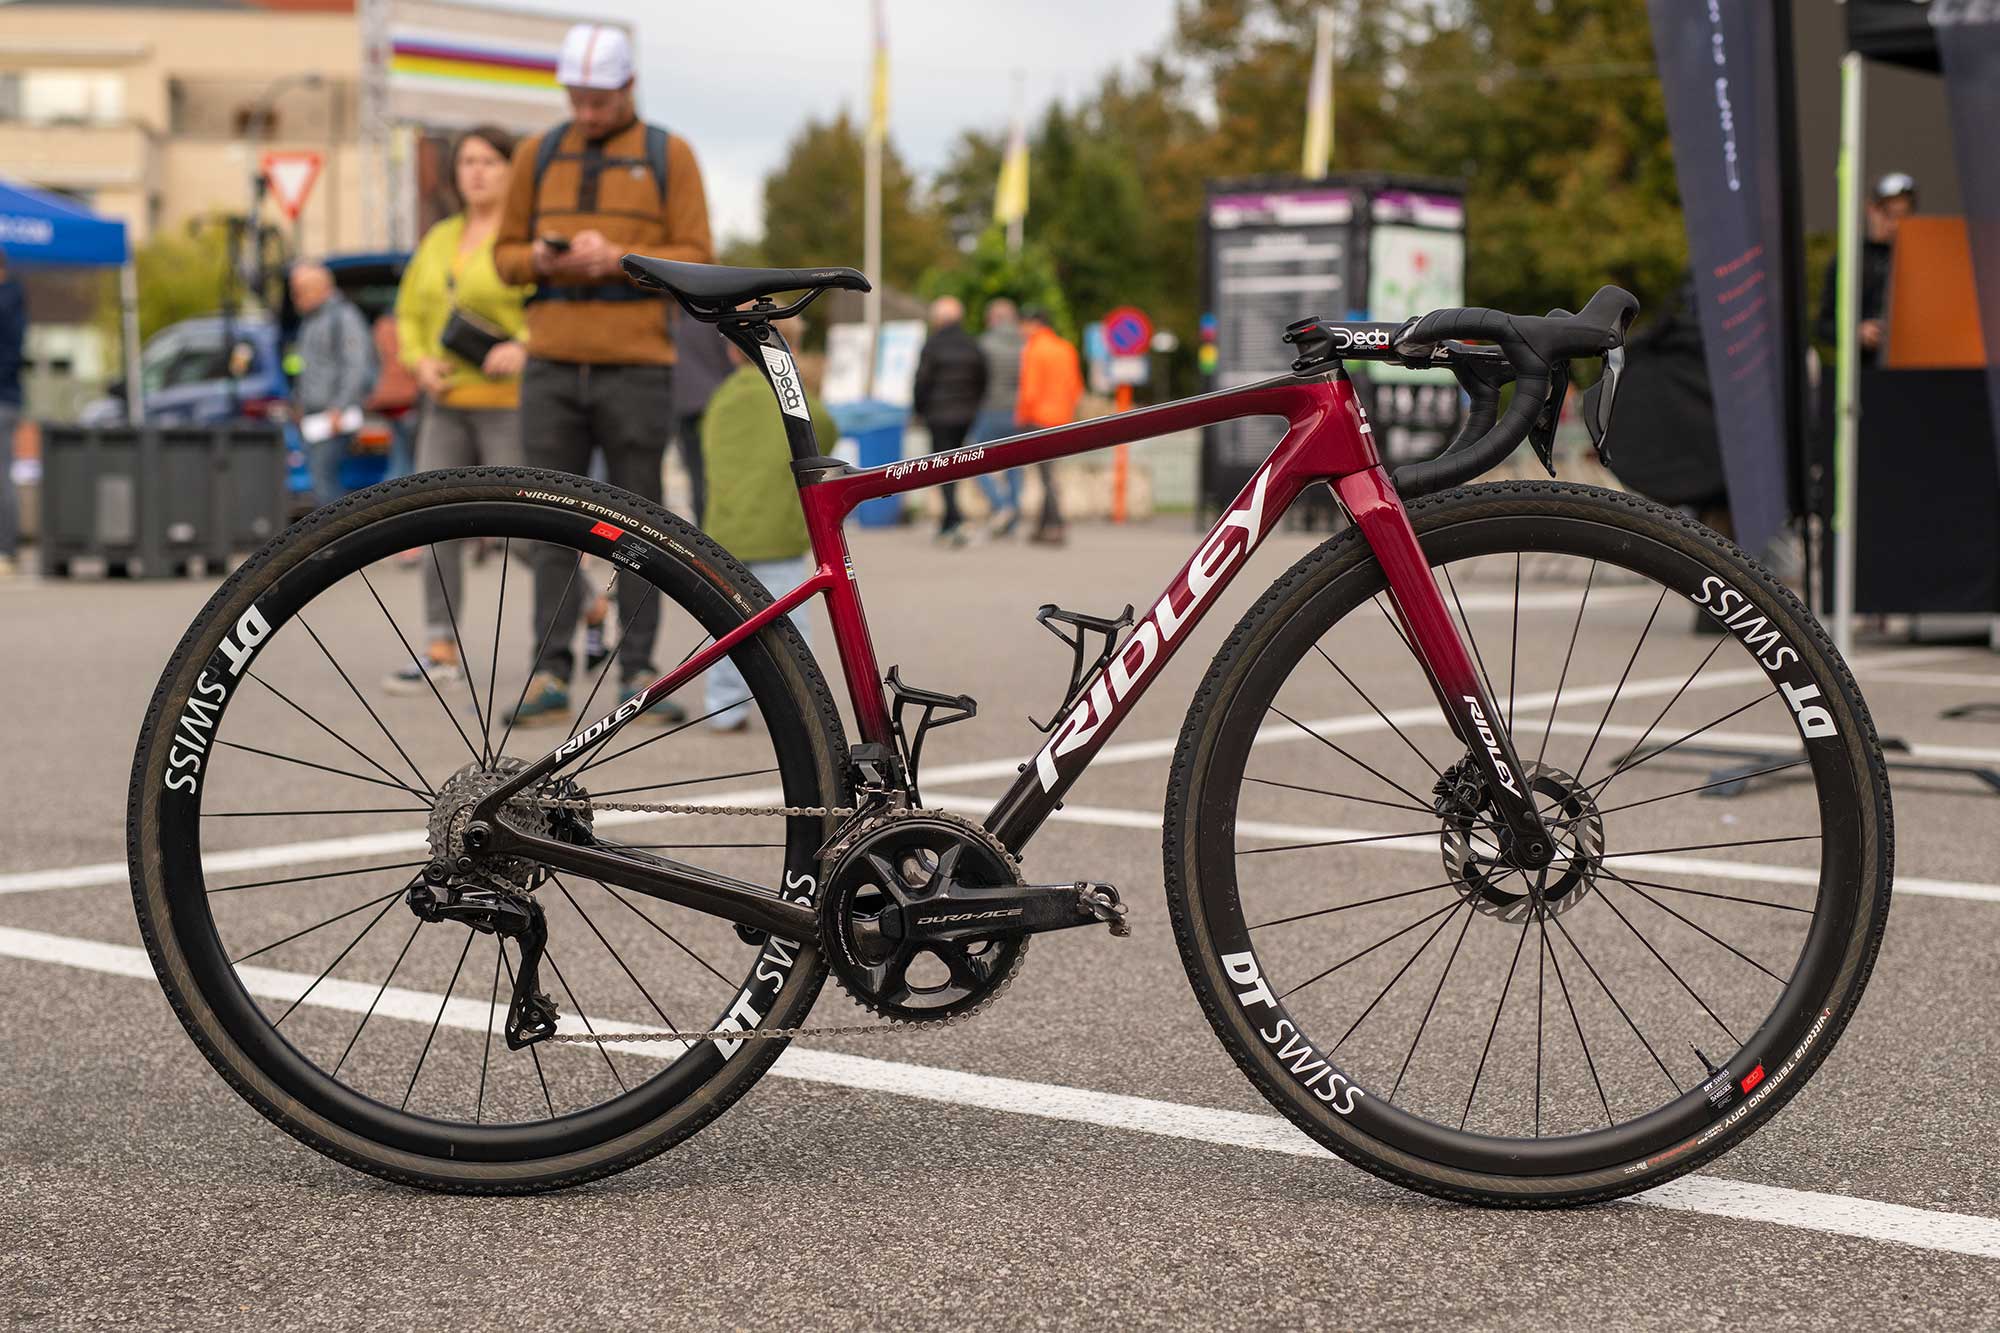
{"x": 1084, "y": 1154}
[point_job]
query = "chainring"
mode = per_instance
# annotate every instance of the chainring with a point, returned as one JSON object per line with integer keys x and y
{"x": 895, "y": 861}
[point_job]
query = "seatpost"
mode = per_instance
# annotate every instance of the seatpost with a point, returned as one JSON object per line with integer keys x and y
{"x": 760, "y": 342}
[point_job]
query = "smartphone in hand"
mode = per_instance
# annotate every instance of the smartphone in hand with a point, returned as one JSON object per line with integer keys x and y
{"x": 559, "y": 244}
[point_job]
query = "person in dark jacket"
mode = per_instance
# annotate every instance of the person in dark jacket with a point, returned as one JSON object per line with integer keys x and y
{"x": 704, "y": 365}
{"x": 1893, "y": 199}
{"x": 951, "y": 382}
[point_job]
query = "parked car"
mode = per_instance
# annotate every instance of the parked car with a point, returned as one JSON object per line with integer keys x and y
{"x": 205, "y": 371}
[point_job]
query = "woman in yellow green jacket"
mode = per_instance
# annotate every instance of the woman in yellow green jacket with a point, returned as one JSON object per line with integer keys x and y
{"x": 470, "y": 414}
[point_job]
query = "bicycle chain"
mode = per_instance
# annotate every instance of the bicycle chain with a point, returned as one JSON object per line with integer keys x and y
{"x": 887, "y": 1025}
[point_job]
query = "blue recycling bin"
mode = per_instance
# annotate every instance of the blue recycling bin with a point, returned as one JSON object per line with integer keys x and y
{"x": 876, "y": 428}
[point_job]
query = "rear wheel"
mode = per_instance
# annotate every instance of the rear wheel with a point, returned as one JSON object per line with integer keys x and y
{"x": 1454, "y": 1024}
{"x": 286, "y": 796}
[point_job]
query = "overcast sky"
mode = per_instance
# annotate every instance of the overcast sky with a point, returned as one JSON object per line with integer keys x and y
{"x": 738, "y": 79}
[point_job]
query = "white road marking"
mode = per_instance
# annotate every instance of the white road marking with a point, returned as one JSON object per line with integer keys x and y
{"x": 1956, "y": 1233}
{"x": 1427, "y": 845}
{"x": 1973, "y": 679}
{"x": 1753, "y": 742}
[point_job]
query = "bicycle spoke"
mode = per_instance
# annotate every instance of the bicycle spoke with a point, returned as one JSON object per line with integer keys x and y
{"x": 1428, "y": 916}
{"x": 1711, "y": 846}
{"x": 1465, "y": 627}
{"x": 380, "y": 991}
{"x": 1563, "y": 679}
{"x": 1348, "y": 907}
{"x": 1688, "y": 921}
{"x": 674, "y": 730}
{"x": 362, "y": 699}
{"x": 301, "y": 814}
{"x": 669, "y": 935}
{"x": 418, "y": 662}
{"x": 1344, "y": 796}
{"x": 1601, "y": 984}
{"x": 391, "y": 894}
{"x": 1335, "y": 842}
{"x": 1570, "y": 1004}
{"x": 1498, "y": 1005}
{"x": 604, "y": 669}
{"x": 1645, "y": 735}
{"x": 616, "y": 957}
{"x": 442, "y": 1005}
{"x": 1591, "y": 790}
{"x": 1541, "y": 990}
{"x": 1725, "y": 897}
{"x": 365, "y": 757}
{"x": 465, "y": 662}
{"x": 1513, "y": 670}
{"x": 563, "y": 981}
{"x": 1408, "y": 963}
{"x": 533, "y": 1054}
{"x": 542, "y": 647}
{"x": 324, "y": 768}
{"x": 1619, "y": 688}
{"x": 328, "y": 874}
{"x": 1348, "y": 757}
{"x": 1432, "y": 1006}
{"x": 1692, "y": 993}
{"x": 372, "y": 922}
{"x": 493, "y": 672}
{"x": 1689, "y": 791}
{"x": 486, "y": 1053}
{"x": 1421, "y": 756}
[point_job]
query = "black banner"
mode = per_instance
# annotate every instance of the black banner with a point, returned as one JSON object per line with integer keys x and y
{"x": 1968, "y": 36}
{"x": 1718, "y": 67}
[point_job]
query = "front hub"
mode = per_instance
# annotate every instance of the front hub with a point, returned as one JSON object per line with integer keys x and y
{"x": 1490, "y": 880}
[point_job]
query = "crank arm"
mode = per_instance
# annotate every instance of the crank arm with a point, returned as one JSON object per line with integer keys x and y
{"x": 969, "y": 912}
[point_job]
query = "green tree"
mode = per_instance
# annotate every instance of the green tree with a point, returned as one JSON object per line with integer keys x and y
{"x": 989, "y": 272}
{"x": 813, "y": 208}
{"x": 180, "y": 276}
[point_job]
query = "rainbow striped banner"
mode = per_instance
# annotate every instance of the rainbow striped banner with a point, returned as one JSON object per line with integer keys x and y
{"x": 436, "y": 62}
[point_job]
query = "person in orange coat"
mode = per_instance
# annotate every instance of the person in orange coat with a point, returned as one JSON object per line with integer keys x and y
{"x": 1051, "y": 386}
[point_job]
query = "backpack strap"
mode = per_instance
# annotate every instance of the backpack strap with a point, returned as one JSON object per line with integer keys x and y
{"x": 545, "y": 153}
{"x": 656, "y": 157}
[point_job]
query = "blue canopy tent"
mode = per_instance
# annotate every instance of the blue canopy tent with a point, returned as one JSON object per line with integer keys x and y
{"x": 42, "y": 229}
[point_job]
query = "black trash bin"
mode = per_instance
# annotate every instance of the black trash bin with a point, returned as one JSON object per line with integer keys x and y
{"x": 159, "y": 501}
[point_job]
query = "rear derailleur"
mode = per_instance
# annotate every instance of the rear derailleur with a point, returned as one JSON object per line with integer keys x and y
{"x": 531, "y": 1014}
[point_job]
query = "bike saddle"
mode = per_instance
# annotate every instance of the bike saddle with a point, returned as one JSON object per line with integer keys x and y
{"x": 717, "y": 285}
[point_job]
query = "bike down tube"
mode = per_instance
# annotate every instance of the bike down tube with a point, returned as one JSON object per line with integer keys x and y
{"x": 1327, "y": 436}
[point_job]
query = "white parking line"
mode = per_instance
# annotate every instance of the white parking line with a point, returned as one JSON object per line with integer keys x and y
{"x": 1122, "y": 752}
{"x": 1751, "y": 742}
{"x": 1427, "y": 844}
{"x": 1956, "y": 1233}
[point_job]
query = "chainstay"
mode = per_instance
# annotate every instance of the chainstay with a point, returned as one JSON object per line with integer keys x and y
{"x": 888, "y": 1025}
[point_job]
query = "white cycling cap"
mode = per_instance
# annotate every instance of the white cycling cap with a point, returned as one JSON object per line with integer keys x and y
{"x": 595, "y": 55}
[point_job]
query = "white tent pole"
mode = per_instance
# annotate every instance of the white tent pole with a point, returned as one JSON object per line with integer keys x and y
{"x": 1847, "y": 362}
{"x": 128, "y": 301}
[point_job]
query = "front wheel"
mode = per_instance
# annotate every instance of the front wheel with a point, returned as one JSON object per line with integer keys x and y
{"x": 1454, "y": 1024}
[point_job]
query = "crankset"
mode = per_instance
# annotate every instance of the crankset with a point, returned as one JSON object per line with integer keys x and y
{"x": 925, "y": 917}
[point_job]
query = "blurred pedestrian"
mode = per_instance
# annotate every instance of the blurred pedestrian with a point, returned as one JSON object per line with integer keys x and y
{"x": 459, "y": 327}
{"x": 1893, "y": 199}
{"x": 600, "y": 363}
{"x": 1051, "y": 387}
{"x": 703, "y": 364}
{"x": 337, "y": 371}
{"x": 753, "y": 502}
{"x": 1001, "y": 342}
{"x": 949, "y": 386}
{"x": 13, "y": 357}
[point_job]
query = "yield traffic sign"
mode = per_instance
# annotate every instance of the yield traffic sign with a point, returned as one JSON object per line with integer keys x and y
{"x": 290, "y": 177}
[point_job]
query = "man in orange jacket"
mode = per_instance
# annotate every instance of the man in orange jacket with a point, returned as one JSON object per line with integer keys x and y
{"x": 1051, "y": 385}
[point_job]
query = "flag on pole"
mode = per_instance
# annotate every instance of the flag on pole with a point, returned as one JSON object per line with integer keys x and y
{"x": 1010, "y": 197}
{"x": 878, "y": 106}
{"x": 1319, "y": 102}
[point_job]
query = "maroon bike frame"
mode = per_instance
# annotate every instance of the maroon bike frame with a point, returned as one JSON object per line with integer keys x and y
{"x": 1327, "y": 439}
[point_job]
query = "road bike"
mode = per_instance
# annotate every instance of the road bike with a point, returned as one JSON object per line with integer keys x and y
{"x": 1695, "y": 959}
